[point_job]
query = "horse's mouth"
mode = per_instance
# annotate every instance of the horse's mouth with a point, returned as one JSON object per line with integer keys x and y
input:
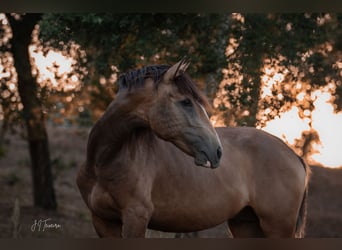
{"x": 207, "y": 165}
{"x": 202, "y": 160}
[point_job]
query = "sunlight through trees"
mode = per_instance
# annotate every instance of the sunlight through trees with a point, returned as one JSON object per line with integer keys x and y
{"x": 277, "y": 72}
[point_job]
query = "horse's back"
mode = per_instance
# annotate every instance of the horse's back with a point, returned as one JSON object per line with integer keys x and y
{"x": 259, "y": 146}
{"x": 264, "y": 156}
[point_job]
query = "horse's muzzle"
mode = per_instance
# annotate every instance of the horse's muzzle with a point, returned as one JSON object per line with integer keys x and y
{"x": 209, "y": 159}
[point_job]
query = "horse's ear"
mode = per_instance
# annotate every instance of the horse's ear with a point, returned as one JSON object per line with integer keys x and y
{"x": 176, "y": 70}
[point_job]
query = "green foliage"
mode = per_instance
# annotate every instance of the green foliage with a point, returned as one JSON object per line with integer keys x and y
{"x": 116, "y": 43}
{"x": 304, "y": 42}
{"x": 305, "y": 46}
{"x": 132, "y": 40}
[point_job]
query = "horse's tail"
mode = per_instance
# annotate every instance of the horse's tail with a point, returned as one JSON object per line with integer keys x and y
{"x": 301, "y": 220}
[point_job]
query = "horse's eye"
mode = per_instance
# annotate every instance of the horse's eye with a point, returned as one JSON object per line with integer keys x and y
{"x": 186, "y": 102}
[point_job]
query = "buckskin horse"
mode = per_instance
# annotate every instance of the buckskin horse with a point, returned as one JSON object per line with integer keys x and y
{"x": 155, "y": 161}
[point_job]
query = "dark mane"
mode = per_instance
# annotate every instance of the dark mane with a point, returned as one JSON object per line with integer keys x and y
{"x": 134, "y": 79}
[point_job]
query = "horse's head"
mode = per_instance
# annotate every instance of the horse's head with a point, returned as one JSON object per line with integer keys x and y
{"x": 178, "y": 115}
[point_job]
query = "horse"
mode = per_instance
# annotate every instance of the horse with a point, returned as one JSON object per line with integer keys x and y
{"x": 155, "y": 161}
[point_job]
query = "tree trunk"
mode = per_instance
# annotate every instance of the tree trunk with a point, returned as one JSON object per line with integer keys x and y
{"x": 254, "y": 106}
{"x": 43, "y": 191}
{"x": 252, "y": 67}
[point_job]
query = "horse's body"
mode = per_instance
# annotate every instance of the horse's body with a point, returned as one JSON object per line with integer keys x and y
{"x": 134, "y": 179}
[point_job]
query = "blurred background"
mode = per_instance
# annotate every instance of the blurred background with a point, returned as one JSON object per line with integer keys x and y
{"x": 277, "y": 72}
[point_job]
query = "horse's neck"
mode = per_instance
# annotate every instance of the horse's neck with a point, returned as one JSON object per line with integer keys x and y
{"x": 116, "y": 128}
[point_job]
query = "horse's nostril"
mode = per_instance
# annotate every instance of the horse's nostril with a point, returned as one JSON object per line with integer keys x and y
{"x": 219, "y": 153}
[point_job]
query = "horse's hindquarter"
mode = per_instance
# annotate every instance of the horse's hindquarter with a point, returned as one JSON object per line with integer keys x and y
{"x": 273, "y": 172}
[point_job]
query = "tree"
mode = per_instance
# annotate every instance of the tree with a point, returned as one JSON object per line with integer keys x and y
{"x": 32, "y": 113}
{"x": 115, "y": 43}
{"x": 297, "y": 45}
{"x": 302, "y": 48}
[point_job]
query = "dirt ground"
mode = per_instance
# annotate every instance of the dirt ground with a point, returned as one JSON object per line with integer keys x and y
{"x": 72, "y": 219}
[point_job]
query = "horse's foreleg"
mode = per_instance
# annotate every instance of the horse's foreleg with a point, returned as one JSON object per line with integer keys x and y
{"x": 281, "y": 228}
{"x": 245, "y": 224}
{"x": 106, "y": 228}
{"x": 135, "y": 221}
{"x": 245, "y": 229}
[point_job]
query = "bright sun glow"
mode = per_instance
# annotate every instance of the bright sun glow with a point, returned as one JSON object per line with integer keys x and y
{"x": 289, "y": 126}
{"x": 329, "y": 125}
{"x": 53, "y": 65}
